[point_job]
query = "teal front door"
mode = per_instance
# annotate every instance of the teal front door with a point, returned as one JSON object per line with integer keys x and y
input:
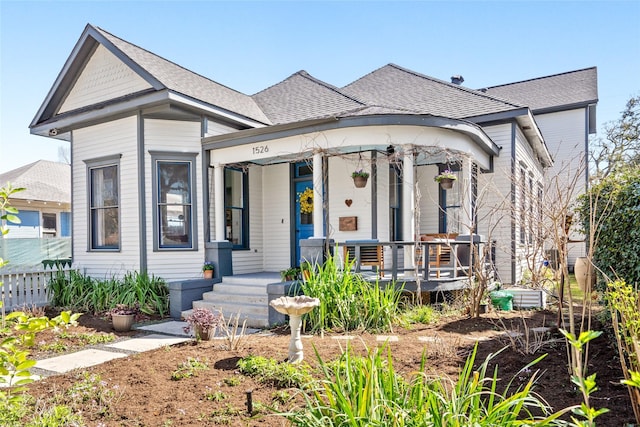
{"x": 304, "y": 214}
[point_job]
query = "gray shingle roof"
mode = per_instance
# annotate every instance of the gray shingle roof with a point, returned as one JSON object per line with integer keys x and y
{"x": 302, "y": 97}
{"x": 552, "y": 92}
{"x": 181, "y": 80}
{"x": 44, "y": 181}
{"x": 397, "y": 87}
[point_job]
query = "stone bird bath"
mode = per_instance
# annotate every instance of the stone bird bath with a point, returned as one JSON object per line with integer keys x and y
{"x": 295, "y": 307}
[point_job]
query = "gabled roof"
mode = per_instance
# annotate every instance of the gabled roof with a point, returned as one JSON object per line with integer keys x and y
{"x": 303, "y": 97}
{"x": 551, "y": 93}
{"x": 43, "y": 180}
{"x": 398, "y": 87}
{"x": 159, "y": 72}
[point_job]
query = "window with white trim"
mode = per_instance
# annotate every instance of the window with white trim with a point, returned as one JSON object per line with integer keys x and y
{"x": 104, "y": 204}
{"x": 173, "y": 198}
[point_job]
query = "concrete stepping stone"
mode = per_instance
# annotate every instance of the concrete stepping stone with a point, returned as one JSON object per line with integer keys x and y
{"x": 80, "y": 359}
{"x": 343, "y": 337}
{"x": 385, "y": 338}
{"x": 146, "y": 343}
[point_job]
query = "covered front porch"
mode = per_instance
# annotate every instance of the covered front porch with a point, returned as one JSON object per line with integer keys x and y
{"x": 258, "y": 221}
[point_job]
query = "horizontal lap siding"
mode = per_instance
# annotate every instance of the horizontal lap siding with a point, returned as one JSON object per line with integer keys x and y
{"x": 180, "y": 137}
{"x": 564, "y": 133}
{"x": 104, "y": 77}
{"x": 114, "y": 138}
{"x": 429, "y": 199}
{"x": 494, "y": 201}
{"x": 342, "y": 188}
{"x": 525, "y": 157}
{"x": 276, "y": 218}
{"x": 251, "y": 260}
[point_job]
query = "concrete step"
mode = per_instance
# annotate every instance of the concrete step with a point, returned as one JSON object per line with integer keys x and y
{"x": 240, "y": 288}
{"x": 256, "y": 315}
{"x": 245, "y": 294}
{"x": 239, "y": 298}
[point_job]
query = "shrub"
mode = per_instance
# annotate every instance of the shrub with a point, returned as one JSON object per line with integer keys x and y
{"x": 614, "y": 203}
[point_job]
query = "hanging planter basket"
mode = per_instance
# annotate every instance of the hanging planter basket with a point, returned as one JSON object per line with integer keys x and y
{"x": 446, "y": 183}
{"x": 360, "y": 181}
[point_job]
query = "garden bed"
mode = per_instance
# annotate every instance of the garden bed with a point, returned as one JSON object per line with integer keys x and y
{"x": 139, "y": 390}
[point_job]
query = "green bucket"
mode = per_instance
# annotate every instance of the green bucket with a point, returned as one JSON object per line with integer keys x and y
{"x": 501, "y": 300}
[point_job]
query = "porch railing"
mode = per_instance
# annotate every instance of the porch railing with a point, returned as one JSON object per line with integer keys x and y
{"x": 26, "y": 287}
{"x": 444, "y": 260}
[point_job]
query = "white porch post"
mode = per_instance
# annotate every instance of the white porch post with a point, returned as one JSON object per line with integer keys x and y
{"x": 466, "y": 202}
{"x": 408, "y": 204}
{"x": 318, "y": 200}
{"x": 218, "y": 182}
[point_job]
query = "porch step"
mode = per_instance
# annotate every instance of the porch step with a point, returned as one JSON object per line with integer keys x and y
{"x": 245, "y": 294}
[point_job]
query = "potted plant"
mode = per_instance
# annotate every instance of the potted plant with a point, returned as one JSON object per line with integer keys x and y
{"x": 360, "y": 178}
{"x": 207, "y": 270}
{"x": 289, "y": 274}
{"x": 204, "y": 323}
{"x": 445, "y": 179}
{"x": 305, "y": 268}
{"x": 122, "y": 316}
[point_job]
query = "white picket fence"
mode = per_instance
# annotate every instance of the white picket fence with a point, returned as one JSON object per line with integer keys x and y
{"x": 26, "y": 288}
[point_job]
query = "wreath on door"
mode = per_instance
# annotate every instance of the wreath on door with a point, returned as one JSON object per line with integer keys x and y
{"x": 306, "y": 201}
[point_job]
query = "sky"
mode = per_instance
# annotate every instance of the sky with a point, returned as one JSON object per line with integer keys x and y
{"x": 249, "y": 46}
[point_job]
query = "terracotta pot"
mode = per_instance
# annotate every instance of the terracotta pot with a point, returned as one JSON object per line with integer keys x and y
{"x": 201, "y": 335}
{"x": 360, "y": 181}
{"x": 446, "y": 183}
{"x": 122, "y": 322}
{"x": 208, "y": 274}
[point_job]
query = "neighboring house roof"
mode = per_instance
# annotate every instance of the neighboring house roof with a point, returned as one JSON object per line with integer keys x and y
{"x": 398, "y": 87}
{"x": 43, "y": 180}
{"x": 303, "y": 97}
{"x": 552, "y": 93}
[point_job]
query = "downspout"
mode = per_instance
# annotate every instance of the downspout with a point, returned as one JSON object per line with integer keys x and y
{"x": 142, "y": 206}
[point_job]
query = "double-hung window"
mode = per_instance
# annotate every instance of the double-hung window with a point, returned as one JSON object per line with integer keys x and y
{"x": 174, "y": 202}
{"x": 104, "y": 203}
{"x": 236, "y": 208}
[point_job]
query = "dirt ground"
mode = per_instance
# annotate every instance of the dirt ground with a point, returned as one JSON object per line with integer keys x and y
{"x": 138, "y": 390}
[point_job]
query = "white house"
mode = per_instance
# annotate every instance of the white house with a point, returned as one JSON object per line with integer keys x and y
{"x": 170, "y": 168}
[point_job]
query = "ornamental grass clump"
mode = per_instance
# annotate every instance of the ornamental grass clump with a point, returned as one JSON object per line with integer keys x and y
{"x": 366, "y": 391}
{"x": 347, "y": 301}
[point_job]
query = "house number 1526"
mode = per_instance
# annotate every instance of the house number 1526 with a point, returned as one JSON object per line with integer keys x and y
{"x": 260, "y": 149}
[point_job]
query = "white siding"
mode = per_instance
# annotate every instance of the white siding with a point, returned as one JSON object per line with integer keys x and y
{"x": 213, "y": 127}
{"x": 276, "y": 218}
{"x": 251, "y": 260}
{"x": 180, "y": 137}
{"x": 494, "y": 201}
{"x": 341, "y": 188}
{"x": 429, "y": 199}
{"x": 118, "y": 137}
{"x": 382, "y": 168}
{"x": 104, "y": 77}
{"x": 525, "y": 158}
{"x": 565, "y": 134}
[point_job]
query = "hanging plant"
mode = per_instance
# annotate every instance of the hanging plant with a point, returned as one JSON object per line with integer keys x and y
{"x": 306, "y": 201}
